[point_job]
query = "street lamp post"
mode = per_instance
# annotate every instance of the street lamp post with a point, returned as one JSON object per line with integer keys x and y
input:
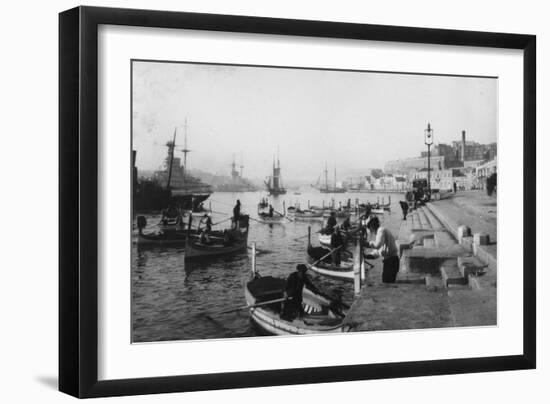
{"x": 428, "y": 141}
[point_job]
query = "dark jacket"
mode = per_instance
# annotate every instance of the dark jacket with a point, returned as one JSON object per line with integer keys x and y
{"x": 331, "y": 222}
{"x": 237, "y": 211}
{"x": 336, "y": 240}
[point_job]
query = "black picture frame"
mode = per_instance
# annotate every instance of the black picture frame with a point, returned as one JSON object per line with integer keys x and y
{"x": 78, "y": 206}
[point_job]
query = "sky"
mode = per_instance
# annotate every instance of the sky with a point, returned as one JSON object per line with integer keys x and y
{"x": 352, "y": 120}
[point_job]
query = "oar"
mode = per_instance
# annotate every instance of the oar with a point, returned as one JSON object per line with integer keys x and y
{"x": 285, "y": 216}
{"x": 324, "y": 256}
{"x": 282, "y": 299}
{"x": 256, "y": 220}
{"x": 219, "y": 213}
{"x": 225, "y": 220}
{"x": 305, "y": 235}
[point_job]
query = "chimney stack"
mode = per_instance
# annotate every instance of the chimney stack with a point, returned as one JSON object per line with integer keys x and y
{"x": 463, "y": 149}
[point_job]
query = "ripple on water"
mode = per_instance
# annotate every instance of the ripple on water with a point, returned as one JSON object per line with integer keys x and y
{"x": 170, "y": 298}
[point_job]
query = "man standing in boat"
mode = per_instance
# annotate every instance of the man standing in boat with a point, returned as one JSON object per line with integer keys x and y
{"x": 331, "y": 222}
{"x": 385, "y": 244}
{"x": 237, "y": 210}
{"x": 271, "y": 210}
{"x": 236, "y": 214}
{"x": 293, "y": 293}
{"x": 204, "y": 235}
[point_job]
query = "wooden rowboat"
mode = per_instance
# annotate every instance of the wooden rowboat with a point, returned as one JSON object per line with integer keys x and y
{"x": 172, "y": 238}
{"x": 325, "y": 238}
{"x": 234, "y": 240}
{"x": 271, "y": 219}
{"x": 321, "y": 314}
{"x": 326, "y": 267}
{"x": 307, "y": 214}
{"x": 276, "y": 218}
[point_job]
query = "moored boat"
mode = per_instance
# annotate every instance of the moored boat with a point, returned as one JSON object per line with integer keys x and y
{"x": 270, "y": 218}
{"x": 172, "y": 238}
{"x": 264, "y": 296}
{"x": 234, "y": 240}
{"x": 306, "y": 214}
{"x": 326, "y": 267}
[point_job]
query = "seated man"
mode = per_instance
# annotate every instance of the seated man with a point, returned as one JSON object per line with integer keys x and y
{"x": 204, "y": 234}
{"x": 346, "y": 226}
{"x": 292, "y": 306}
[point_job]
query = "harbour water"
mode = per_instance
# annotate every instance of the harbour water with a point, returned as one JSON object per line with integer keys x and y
{"x": 173, "y": 300}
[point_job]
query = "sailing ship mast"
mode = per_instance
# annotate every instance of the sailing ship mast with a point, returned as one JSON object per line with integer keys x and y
{"x": 326, "y": 176}
{"x": 171, "y": 146}
{"x": 185, "y": 150}
{"x": 242, "y": 165}
{"x": 274, "y": 183}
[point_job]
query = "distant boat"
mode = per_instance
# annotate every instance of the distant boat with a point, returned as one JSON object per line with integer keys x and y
{"x": 237, "y": 183}
{"x": 274, "y": 183}
{"x": 330, "y": 189}
{"x": 274, "y": 218}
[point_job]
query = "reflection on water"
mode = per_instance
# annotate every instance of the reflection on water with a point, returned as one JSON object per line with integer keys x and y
{"x": 171, "y": 298}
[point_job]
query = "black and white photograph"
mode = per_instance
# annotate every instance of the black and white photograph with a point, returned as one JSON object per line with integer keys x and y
{"x": 280, "y": 201}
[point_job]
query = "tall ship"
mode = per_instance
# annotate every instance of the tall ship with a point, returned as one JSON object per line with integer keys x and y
{"x": 327, "y": 188}
{"x": 171, "y": 185}
{"x": 274, "y": 183}
{"x": 237, "y": 183}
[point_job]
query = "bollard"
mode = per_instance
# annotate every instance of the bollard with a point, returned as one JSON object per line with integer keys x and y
{"x": 463, "y": 231}
{"x": 481, "y": 239}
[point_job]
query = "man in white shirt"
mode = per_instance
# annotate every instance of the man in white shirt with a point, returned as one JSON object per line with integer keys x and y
{"x": 385, "y": 244}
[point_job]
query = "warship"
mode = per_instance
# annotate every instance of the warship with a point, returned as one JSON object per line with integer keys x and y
{"x": 171, "y": 185}
{"x": 237, "y": 183}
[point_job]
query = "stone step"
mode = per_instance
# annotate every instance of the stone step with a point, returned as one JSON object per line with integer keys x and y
{"x": 433, "y": 283}
{"x": 443, "y": 239}
{"x": 410, "y": 277}
{"x": 434, "y": 221}
{"x": 483, "y": 282}
{"x": 487, "y": 254}
{"x": 428, "y": 241}
{"x": 428, "y": 218}
{"x": 471, "y": 265}
{"x": 416, "y": 225}
{"x": 423, "y": 219}
{"x": 450, "y": 273}
{"x": 428, "y": 260}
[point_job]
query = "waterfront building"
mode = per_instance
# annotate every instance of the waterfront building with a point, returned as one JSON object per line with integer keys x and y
{"x": 405, "y": 165}
{"x": 460, "y": 153}
{"x": 483, "y": 171}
